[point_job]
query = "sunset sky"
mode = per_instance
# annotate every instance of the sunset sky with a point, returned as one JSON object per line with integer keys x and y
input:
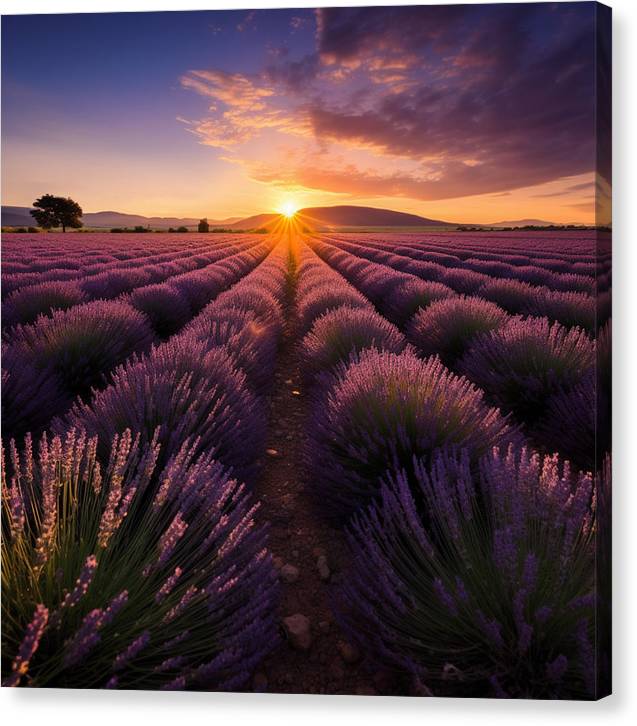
{"x": 462, "y": 113}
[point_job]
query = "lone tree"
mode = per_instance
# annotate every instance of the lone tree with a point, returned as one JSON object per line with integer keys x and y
{"x": 51, "y": 211}
{"x": 203, "y": 225}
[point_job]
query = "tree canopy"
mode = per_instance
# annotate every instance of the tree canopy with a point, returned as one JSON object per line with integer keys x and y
{"x": 51, "y": 211}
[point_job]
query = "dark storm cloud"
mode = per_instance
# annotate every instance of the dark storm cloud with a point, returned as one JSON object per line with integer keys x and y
{"x": 478, "y": 98}
{"x": 510, "y": 88}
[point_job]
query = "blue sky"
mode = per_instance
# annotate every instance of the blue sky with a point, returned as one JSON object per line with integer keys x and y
{"x": 471, "y": 110}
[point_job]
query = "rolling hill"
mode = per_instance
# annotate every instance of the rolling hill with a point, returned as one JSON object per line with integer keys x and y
{"x": 345, "y": 216}
{"x": 20, "y": 217}
{"x": 353, "y": 216}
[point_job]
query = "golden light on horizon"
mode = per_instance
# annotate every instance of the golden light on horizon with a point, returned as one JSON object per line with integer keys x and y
{"x": 288, "y": 208}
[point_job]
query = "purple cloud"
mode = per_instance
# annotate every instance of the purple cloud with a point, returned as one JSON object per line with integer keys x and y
{"x": 481, "y": 98}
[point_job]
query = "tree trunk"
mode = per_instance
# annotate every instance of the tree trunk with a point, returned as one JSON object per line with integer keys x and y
{"x": 63, "y": 228}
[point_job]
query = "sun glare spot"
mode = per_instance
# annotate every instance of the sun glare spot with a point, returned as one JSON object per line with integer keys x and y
{"x": 288, "y": 209}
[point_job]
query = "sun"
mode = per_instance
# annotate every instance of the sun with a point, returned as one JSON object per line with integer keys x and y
{"x": 288, "y": 209}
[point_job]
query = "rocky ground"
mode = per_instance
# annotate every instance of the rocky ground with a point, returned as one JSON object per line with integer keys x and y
{"x": 315, "y": 656}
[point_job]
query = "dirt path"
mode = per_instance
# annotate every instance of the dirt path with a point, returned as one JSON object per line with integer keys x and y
{"x": 316, "y": 657}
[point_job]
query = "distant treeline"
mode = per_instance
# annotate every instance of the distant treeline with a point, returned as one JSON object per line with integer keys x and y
{"x": 534, "y": 228}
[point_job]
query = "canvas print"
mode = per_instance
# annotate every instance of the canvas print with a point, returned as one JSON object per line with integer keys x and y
{"x": 306, "y": 351}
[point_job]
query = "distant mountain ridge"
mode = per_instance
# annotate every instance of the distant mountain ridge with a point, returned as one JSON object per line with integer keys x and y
{"x": 345, "y": 216}
{"x": 313, "y": 217}
{"x": 354, "y": 216}
{"x": 20, "y": 217}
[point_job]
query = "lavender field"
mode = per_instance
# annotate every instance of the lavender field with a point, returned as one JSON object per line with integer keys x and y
{"x": 313, "y": 463}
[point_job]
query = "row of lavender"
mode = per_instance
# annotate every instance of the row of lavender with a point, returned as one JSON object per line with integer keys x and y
{"x": 66, "y": 351}
{"x": 69, "y": 256}
{"x": 27, "y": 295}
{"x": 474, "y": 558}
{"x": 535, "y": 363}
{"x": 587, "y": 253}
{"x": 136, "y": 556}
{"x": 569, "y": 298}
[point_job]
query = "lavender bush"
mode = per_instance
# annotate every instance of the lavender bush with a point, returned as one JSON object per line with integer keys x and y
{"x": 403, "y": 301}
{"x": 120, "y": 576}
{"x": 383, "y": 409}
{"x": 30, "y": 396}
{"x": 522, "y": 363}
{"x": 78, "y": 346}
{"x": 24, "y": 305}
{"x": 343, "y": 331}
{"x": 113, "y": 283}
{"x": 164, "y": 306}
{"x": 570, "y": 309}
{"x": 198, "y": 287}
{"x": 487, "y": 585}
{"x": 514, "y": 296}
{"x": 328, "y": 296}
{"x": 449, "y": 326}
{"x": 575, "y": 423}
{"x": 188, "y": 391}
{"x": 255, "y": 298}
{"x": 250, "y": 340}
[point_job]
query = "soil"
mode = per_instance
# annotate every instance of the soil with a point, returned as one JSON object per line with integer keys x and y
{"x": 299, "y": 537}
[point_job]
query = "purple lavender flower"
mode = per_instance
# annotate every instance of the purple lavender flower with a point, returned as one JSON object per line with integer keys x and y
{"x": 164, "y": 306}
{"x": 79, "y": 345}
{"x": 345, "y": 331}
{"x": 449, "y": 326}
{"x": 24, "y": 305}
{"x": 404, "y": 300}
{"x": 520, "y": 364}
{"x": 182, "y": 580}
{"x": 126, "y": 656}
{"x": 28, "y": 646}
{"x": 191, "y": 393}
{"x": 508, "y": 620}
{"x": 381, "y": 411}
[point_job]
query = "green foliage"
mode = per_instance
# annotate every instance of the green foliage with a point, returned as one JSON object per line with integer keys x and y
{"x": 51, "y": 211}
{"x": 113, "y": 575}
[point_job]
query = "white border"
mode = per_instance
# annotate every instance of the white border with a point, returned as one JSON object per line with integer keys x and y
{"x": 52, "y": 707}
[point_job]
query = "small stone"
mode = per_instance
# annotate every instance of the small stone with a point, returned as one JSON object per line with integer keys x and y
{"x": 295, "y": 553}
{"x": 296, "y": 392}
{"x": 324, "y": 626}
{"x": 278, "y": 562}
{"x": 322, "y": 567}
{"x": 278, "y": 432}
{"x": 297, "y": 629}
{"x": 289, "y": 573}
{"x": 260, "y": 682}
{"x": 289, "y": 437}
{"x": 318, "y": 551}
{"x": 274, "y": 453}
{"x": 289, "y": 381}
{"x": 349, "y": 652}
